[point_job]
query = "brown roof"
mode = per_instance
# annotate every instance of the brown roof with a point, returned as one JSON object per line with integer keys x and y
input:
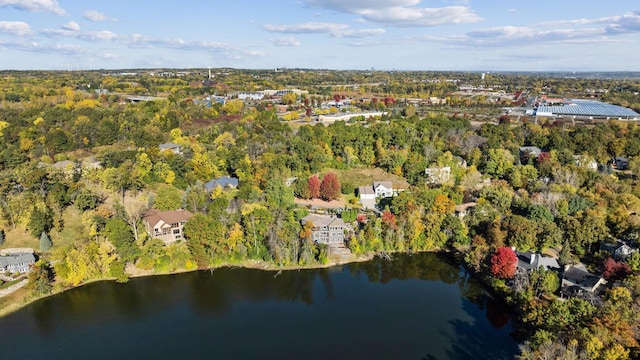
{"x": 154, "y": 216}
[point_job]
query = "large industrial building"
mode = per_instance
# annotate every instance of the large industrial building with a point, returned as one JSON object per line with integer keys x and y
{"x": 584, "y": 109}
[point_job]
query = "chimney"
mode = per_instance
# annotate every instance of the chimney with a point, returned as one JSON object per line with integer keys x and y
{"x": 532, "y": 259}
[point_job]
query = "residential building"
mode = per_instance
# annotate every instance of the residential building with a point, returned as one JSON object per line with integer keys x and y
{"x": 438, "y": 175}
{"x": 529, "y": 152}
{"x": 383, "y": 189}
{"x": 174, "y": 148}
{"x": 225, "y": 182}
{"x": 578, "y": 281}
{"x": 462, "y": 210}
{"x": 529, "y": 261}
{"x": 619, "y": 250}
{"x": 166, "y": 225}
{"x": 17, "y": 263}
{"x": 367, "y": 197}
{"x": 586, "y": 162}
{"x": 327, "y": 229}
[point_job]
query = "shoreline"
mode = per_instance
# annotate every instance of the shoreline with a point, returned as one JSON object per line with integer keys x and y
{"x": 24, "y": 300}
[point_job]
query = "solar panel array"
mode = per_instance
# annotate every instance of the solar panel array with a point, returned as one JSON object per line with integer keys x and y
{"x": 579, "y": 107}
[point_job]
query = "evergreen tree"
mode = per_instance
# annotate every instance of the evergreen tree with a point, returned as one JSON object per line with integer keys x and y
{"x": 45, "y": 242}
{"x": 1, "y": 237}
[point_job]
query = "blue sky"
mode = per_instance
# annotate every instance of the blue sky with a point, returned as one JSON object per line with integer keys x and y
{"x": 480, "y": 35}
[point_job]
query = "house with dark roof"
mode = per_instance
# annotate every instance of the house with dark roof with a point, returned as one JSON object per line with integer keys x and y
{"x": 327, "y": 229}
{"x": 578, "y": 281}
{"x": 166, "y": 225}
{"x": 528, "y": 261}
{"x": 225, "y": 182}
{"x": 17, "y": 263}
{"x": 618, "y": 250}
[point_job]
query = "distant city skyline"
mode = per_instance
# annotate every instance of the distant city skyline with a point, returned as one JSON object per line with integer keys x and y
{"x": 441, "y": 35}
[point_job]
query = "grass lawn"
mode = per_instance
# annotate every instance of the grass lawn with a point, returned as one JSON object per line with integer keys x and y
{"x": 73, "y": 226}
{"x": 18, "y": 238}
{"x": 365, "y": 176}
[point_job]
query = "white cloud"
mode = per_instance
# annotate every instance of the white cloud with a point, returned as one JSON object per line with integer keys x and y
{"x": 71, "y": 26}
{"x": 333, "y": 29}
{"x": 287, "y": 41}
{"x": 307, "y": 28}
{"x": 103, "y": 35}
{"x": 34, "y": 6}
{"x": 360, "y": 33}
{"x": 578, "y": 31}
{"x": 17, "y": 28}
{"x": 95, "y": 16}
{"x": 402, "y": 13}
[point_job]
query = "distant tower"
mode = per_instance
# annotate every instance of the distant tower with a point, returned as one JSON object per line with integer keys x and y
{"x": 209, "y": 73}
{"x": 482, "y": 76}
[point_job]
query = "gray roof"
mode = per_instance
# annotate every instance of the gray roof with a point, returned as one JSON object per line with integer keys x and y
{"x": 15, "y": 259}
{"x": 365, "y": 190}
{"x": 323, "y": 220}
{"x": 579, "y": 276}
{"x": 531, "y": 149}
{"x": 581, "y": 107}
{"x": 168, "y": 146}
{"x": 386, "y": 184}
{"x": 530, "y": 261}
{"x": 223, "y": 182}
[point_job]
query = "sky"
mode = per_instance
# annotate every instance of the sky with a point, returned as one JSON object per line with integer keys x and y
{"x": 447, "y": 35}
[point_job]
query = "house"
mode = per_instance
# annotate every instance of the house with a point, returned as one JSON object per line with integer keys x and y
{"x": 528, "y": 261}
{"x": 462, "y": 210}
{"x": 327, "y": 229}
{"x": 166, "y": 225}
{"x": 383, "y": 188}
{"x": 16, "y": 263}
{"x": 578, "y": 281}
{"x": 174, "y": 148}
{"x": 367, "y": 197}
{"x": 585, "y": 162}
{"x": 438, "y": 175}
{"x": 619, "y": 250}
{"x": 460, "y": 161}
{"x": 225, "y": 182}
{"x": 620, "y": 163}
{"x": 529, "y": 152}
{"x": 64, "y": 165}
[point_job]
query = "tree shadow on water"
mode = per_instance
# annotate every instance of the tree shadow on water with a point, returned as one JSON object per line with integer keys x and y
{"x": 479, "y": 339}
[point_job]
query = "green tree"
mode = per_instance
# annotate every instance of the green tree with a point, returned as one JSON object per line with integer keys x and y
{"x": 40, "y": 278}
{"x": 120, "y": 235}
{"x": 167, "y": 198}
{"x": 45, "y": 242}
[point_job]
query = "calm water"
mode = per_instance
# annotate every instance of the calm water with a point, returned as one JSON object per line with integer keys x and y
{"x": 414, "y": 307}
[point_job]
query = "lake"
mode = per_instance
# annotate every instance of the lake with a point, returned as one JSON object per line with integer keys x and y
{"x": 417, "y": 306}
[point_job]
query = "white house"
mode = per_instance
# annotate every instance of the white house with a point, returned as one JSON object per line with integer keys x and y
{"x": 383, "y": 188}
{"x": 438, "y": 175}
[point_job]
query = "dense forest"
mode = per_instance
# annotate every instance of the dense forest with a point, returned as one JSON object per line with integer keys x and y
{"x": 85, "y": 218}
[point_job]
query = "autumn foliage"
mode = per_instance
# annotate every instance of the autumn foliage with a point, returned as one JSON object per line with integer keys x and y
{"x": 330, "y": 187}
{"x": 314, "y": 187}
{"x": 503, "y": 263}
{"x": 614, "y": 270}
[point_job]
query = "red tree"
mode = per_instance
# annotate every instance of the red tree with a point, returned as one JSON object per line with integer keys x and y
{"x": 389, "y": 220}
{"x": 330, "y": 187}
{"x": 614, "y": 270}
{"x": 503, "y": 263}
{"x": 314, "y": 187}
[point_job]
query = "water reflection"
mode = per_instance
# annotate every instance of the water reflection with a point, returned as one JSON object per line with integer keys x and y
{"x": 416, "y": 306}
